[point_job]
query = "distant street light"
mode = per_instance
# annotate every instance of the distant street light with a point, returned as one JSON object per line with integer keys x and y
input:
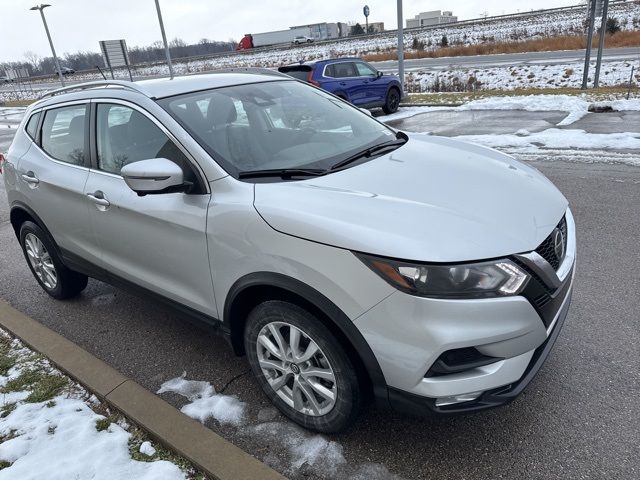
{"x": 164, "y": 39}
{"x": 41, "y": 7}
{"x": 400, "y": 45}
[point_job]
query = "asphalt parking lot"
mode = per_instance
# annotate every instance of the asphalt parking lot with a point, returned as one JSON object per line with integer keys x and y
{"x": 577, "y": 419}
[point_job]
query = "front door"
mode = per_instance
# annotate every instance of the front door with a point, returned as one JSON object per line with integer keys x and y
{"x": 156, "y": 241}
{"x": 375, "y": 89}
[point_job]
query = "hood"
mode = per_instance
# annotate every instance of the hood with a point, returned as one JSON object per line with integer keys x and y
{"x": 434, "y": 200}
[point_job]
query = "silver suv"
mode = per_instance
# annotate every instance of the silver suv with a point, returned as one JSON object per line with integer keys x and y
{"x": 347, "y": 260}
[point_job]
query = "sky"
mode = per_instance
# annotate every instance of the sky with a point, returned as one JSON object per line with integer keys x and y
{"x": 78, "y": 25}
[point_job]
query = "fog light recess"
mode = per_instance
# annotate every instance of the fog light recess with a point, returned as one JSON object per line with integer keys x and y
{"x": 465, "y": 397}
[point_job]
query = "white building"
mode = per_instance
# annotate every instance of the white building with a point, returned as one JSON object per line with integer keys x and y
{"x": 435, "y": 17}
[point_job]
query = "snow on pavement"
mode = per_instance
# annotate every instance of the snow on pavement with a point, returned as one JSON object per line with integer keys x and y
{"x": 205, "y": 403}
{"x": 308, "y": 453}
{"x": 559, "y": 138}
{"x": 576, "y": 106}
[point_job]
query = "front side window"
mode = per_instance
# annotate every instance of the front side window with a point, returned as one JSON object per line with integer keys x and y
{"x": 32, "y": 125}
{"x": 64, "y": 134}
{"x": 124, "y": 135}
{"x": 365, "y": 70}
{"x": 273, "y": 125}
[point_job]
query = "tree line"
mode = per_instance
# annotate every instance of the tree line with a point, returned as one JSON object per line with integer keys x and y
{"x": 39, "y": 65}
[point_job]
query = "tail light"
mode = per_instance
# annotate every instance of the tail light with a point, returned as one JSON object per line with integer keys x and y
{"x": 1, "y": 162}
{"x": 311, "y": 80}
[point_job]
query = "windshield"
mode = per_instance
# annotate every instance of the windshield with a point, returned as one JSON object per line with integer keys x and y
{"x": 275, "y": 125}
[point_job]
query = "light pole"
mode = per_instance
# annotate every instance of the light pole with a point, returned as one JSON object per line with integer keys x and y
{"x": 603, "y": 33}
{"x": 593, "y": 5}
{"x": 164, "y": 39}
{"x": 41, "y": 8}
{"x": 400, "y": 46}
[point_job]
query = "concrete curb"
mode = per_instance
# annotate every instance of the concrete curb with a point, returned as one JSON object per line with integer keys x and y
{"x": 208, "y": 451}
{"x": 447, "y": 105}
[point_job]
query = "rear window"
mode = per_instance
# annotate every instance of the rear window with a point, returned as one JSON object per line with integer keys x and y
{"x": 298, "y": 72}
{"x": 32, "y": 125}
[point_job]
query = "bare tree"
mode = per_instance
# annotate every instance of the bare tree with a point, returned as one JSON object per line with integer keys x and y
{"x": 33, "y": 58}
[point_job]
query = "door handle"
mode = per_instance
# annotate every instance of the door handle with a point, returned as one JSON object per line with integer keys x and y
{"x": 344, "y": 84}
{"x": 99, "y": 199}
{"x": 30, "y": 178}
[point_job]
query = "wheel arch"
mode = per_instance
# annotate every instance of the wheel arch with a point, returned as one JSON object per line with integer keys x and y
{"x": 21, "y": 213}
{"x": 255, "y": 288}
{"x": 396, "y": 86}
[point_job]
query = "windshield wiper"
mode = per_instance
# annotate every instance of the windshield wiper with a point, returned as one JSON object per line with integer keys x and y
{"x": 282, "y": 173}
{"x": 369, "y": 152}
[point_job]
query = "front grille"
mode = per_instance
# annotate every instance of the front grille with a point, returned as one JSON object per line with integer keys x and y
{"x": 546, "y": 302}
{"x": 547, "y": 249}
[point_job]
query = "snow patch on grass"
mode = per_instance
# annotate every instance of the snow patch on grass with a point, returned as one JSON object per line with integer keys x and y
{"x": 452, "y": 78}
{"x": 147, "y": 449}
{"x": 61, "y": 442}
{"x": 205, "y": 403}
{"x": 49, "y": 429}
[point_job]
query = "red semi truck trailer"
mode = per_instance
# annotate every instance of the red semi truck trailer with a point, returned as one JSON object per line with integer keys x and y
{"x": 272, "y": 38}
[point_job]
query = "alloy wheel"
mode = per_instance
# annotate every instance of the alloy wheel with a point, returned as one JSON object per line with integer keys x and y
{"x": 394, "y": 100}
{"x": 41, "y": 261}
{"x": 296, "y": 369}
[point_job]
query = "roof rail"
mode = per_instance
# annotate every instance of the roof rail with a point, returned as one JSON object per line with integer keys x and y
{"x": 96, "y": 84}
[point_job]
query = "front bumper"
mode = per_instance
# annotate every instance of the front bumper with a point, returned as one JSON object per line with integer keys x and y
{"x": 511, "y": 337}
{"x": 406, "y": 402}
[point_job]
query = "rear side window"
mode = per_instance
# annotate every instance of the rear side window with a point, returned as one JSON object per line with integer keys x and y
{"x": 125, "y": 135}
{"x": 64, "y": 134}
{"x": 342, "y": 70}
{"x": 32, "y": 125}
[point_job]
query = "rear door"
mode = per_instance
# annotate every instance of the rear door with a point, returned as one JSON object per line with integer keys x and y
{"x": 156, "y": 241}
{"x": 346, "y": 79}
{"x": 53, "y": 173}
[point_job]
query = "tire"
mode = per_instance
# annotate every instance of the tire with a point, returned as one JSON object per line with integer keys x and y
{"x": 297, "y": 379}
{"x": 392, "y": 101}
{"x": 46, "y": 266}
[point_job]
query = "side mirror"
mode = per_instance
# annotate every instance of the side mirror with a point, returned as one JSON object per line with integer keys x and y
{"x": 379, "y": 74}
{"x": 158, "y": 175}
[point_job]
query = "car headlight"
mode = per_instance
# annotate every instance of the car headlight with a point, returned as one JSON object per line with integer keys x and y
{"x": 497, "y": 278}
